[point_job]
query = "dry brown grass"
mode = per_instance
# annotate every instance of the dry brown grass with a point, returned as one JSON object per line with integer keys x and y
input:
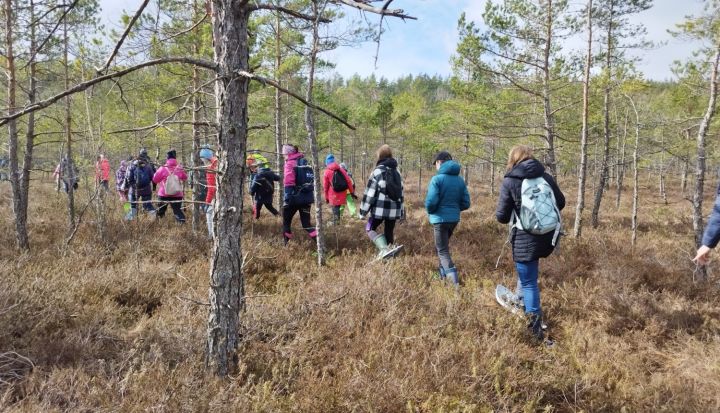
{"x": 120, "y": 329}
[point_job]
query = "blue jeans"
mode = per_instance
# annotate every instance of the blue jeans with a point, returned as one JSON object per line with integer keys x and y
{"x": 528, "y": 276}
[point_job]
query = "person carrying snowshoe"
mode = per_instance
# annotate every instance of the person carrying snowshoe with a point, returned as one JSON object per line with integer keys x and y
{"x": 383, "y": 202}
{"x": 299, "y": 191}
{"x": 531, "y": 201}
{"x": 350, "y": 198}
{"x": 447, "y": 195}
{"x": 336, "y": 184}
{"x": 262, "y": 189}
{"x": 169, "y": 178}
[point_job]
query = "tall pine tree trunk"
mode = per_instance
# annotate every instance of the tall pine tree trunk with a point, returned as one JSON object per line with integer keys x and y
{"x": 604, "y": 167}
{"x": 582, "y": 175}
{"x": 21, "y": 235}
{"x": 195, "y": 182}
{"x": 227, "y": 289}
{"x": 278, "y": 113}
{"x": 547, "y": 107}
{"x": 312, "y": 137}
{"x": 71, "y": 173}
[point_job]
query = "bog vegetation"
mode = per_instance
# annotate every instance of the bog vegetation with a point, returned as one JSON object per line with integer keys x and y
{"x": 100, "y": 314}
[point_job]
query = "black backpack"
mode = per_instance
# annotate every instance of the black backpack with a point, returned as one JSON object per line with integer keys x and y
{"x": 393, "y": 184}
{"x": 263, "y": 185}
{"x": 339, "y": 183}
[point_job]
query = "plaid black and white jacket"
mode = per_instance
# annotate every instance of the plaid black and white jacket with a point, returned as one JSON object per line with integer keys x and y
{"x": 375, "y": 201}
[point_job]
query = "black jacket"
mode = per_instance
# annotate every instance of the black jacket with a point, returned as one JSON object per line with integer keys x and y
{"x": 526, "y": 247}
{"x": 265, "y": 178}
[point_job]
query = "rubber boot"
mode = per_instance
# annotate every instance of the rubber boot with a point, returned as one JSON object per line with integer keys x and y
{"x": 382, "y": 246}
{"x": 452, "y": 276}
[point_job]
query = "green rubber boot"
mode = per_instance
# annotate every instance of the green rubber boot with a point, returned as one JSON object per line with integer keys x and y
{"x": 382, "y": 246}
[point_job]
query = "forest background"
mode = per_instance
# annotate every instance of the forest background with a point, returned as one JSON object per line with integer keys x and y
{"x": 634, "y": 154}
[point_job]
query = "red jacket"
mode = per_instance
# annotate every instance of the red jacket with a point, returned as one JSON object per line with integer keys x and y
{"x": 336, "y": 198}
{"x": 102, "y": 170}
{"x": 210, "y": 177}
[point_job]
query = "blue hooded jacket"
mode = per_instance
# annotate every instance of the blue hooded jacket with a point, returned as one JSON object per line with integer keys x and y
{"x": 447, "y": 194}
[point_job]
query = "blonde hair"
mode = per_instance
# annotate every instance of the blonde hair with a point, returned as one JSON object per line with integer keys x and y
{"x": 384, "y": 152}
{"x": 519, "y": 153}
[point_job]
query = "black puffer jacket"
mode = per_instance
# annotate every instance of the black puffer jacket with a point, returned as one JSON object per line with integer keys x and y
{"x": 526, "y": 247}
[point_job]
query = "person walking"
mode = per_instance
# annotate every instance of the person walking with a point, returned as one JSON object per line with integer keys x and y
{"x": 528, "y": 193}
{"x": 169, "y": 178}
{"x": 262, "y": 190}
{"x": 102, "y": 172}
{"x": 211, "y": 163}
{"x": 138, "y": 181}
{"x": 336, "y": 185}
{"x": 383, "y": 202}
{"x": 447, "y": 196}
{"x": 299, "y": 191}
{"x": 119, "y": 181}
{"x": 66, "y": 173}
{"x": 350, "y": 198}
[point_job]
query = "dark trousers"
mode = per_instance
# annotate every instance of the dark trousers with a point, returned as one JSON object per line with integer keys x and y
{"x": 175, "y": 203}
{"x": 442, "y": 233}
{"x": 389, "y": 230}
{"x": 288, "y": 214}
{"x": 146, "y": 201}
{"x": 259, "y": 203}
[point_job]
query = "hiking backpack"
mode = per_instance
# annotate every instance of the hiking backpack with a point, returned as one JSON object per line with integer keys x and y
{"x": 539, "y": 213}
{"x": 172, "y": 184}
{"x": 143, "y": 176}
{"x": 263, "y": 185}
{"x": 339, "y": 183}
{"x": 304, "y": 184}
{"x": 393, "y": 184}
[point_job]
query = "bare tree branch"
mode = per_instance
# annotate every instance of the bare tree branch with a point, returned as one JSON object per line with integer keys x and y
{"x": 119, "y": 43}
{"x": 84, "y": 85}
{"x": 274, "y": 84}
{"x": 289, "y": 12}
{"x": 372, "y": 9}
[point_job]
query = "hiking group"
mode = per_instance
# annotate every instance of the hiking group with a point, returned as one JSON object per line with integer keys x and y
{"x": 529, "y": 201}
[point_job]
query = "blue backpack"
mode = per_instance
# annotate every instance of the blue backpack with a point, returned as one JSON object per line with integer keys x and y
{"x": 143, "y": 175}
{"x": 304, "y": 192}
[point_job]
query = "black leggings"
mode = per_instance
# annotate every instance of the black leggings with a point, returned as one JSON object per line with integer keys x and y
{"x": 288, "y": 214}
{"x": 268, "y": 204}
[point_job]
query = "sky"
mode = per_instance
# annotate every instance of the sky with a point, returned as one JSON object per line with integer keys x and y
{"x": 427, "y": 44}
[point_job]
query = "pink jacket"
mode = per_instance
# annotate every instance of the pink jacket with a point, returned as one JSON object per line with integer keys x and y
{"x": 289, "y": 171}
{"x": 336, "y": 198}
{"x": 164, "y": 171}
